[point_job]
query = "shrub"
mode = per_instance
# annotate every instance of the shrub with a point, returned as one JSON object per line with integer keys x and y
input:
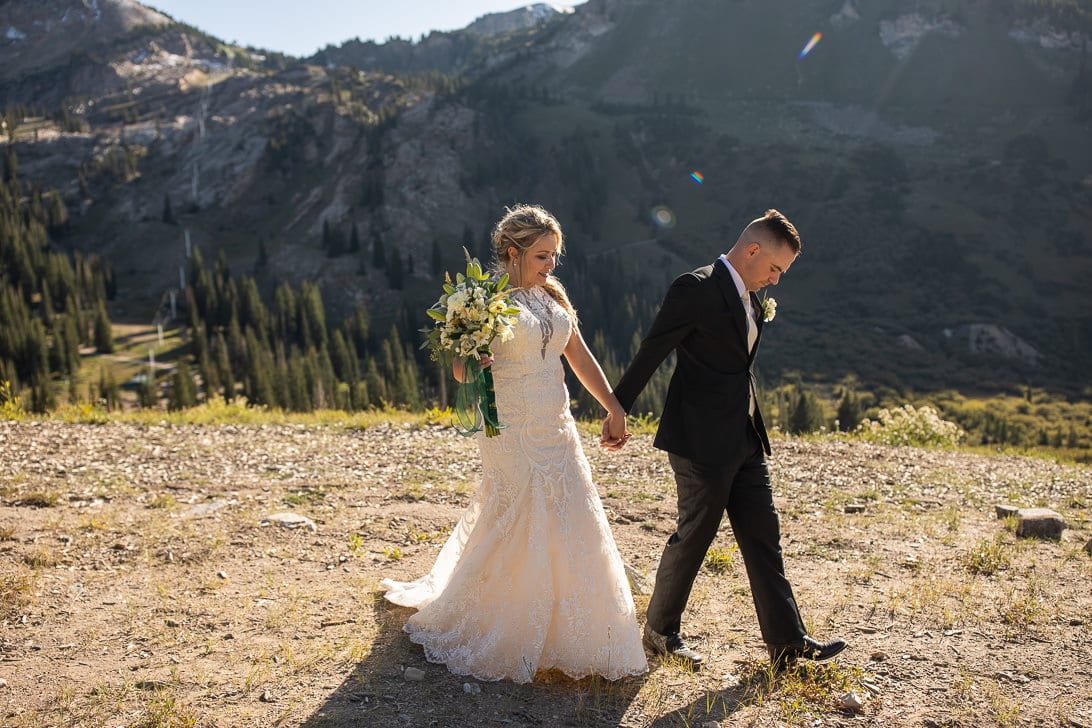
{"x": 11, "y": 406}
{"x": 908, "y": 425}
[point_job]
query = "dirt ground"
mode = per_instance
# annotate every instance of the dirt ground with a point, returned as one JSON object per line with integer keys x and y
{"x": 139, "y": 586}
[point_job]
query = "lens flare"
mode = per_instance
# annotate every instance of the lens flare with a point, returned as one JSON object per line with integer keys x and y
{"x": 697, "y": 176}
{"x": 663, "y": 216}
{"x": 810, "y": 44}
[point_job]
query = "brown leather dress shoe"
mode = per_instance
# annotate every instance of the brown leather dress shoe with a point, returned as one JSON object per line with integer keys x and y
{"x": 783, "y": 656}
{"x": 671, "y": 644}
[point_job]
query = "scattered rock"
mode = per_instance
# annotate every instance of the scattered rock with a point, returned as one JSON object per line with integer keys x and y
{"x": 3, "y": 683}
{"x": 222, "y": 574}
{"x": 855, "y": 508}
{"x": 413, "y": 674}
{"x": 852, "y": 701}
{"x": 266, "y": 696}
{"x": 1039, "y": 523}
{"x": 1005, "y": 511}
{"x": 878, "y": 656}
{"x": 173, "y": 623}
{"x": 1021, "y": 679}
{"x": 290, "y": 520}
{"x": 1088, "y": 547}
{"x": 472, "y": 688}
{"x": 204, "y": 509}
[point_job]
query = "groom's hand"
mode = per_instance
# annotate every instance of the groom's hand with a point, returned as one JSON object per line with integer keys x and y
{"x": 610, "y": 438}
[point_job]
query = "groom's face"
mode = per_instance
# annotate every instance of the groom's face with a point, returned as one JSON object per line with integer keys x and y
{"x": 765, "y": 261}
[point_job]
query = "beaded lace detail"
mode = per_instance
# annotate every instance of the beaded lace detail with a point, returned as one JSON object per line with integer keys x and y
{"x": 530, "y": 578}
{"x": 539, "y": 302}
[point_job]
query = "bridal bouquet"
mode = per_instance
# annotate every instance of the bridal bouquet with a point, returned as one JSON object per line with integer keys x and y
{"x": 472, "y": 311}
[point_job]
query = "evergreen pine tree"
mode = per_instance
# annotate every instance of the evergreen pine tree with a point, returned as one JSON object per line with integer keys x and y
{"x": 58, "y": 213}
{"x": 378, "y": 396}
{"x": 210, "y": 377}
{"x": 260, "y": 372}
{"x": 223, "y": 366}
{"x": 807, "y": 413}
{"x": 148, "y": 394}
{"x": 71, "y": 335}
{"x": 300, "y": 393}
{"x": 42, "y": 396}
{"x": 104, "y": 333}
{"x": 849, "y": 411}
{"x": 312, "y": 316}
{"x": 281, "y": 386}
{"x": 183, "y": 392}
{"x": 108, "y": 392}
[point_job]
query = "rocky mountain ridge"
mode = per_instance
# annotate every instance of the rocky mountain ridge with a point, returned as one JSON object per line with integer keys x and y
{"x": 469, "y": 50}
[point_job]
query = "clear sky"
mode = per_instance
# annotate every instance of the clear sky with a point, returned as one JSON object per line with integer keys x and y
{"x": 300, "y": 27}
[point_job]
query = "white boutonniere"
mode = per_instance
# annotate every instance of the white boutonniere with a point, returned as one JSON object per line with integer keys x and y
{"x": 769, "y": 309}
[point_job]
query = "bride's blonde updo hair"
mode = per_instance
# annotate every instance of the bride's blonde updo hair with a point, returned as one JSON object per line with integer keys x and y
{"x": 521, "y": 227}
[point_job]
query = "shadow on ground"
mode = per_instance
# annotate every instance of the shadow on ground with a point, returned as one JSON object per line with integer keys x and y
{"x": 375, "y": 693}
{"x": 721, "y": 705}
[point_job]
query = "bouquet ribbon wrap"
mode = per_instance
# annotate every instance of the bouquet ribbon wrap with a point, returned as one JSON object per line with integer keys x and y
{"x": 476, "y": 399}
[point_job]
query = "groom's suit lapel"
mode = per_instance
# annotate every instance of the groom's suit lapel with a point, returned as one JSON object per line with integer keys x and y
{"x": 731, "y": 297}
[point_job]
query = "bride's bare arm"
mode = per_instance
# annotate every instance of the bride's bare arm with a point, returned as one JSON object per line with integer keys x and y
{"x": 590, "y": 374}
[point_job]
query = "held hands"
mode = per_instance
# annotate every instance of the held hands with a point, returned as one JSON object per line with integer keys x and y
{"x": 614, "y": 433}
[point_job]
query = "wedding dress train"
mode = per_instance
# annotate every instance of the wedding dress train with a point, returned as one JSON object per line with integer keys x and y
{"x": 530, "y": 578}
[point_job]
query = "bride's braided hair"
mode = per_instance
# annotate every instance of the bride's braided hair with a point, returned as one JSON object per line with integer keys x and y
{"x": 521, "y": 227}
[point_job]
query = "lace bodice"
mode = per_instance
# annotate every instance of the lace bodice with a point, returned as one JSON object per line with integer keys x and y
{"x": 527, "y": 371}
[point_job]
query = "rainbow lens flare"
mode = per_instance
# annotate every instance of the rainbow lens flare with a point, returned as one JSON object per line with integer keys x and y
{"x": 697, "y": 176}
{"x": 810, "y": 44}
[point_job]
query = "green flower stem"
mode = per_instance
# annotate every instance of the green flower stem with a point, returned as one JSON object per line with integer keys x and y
{"x": 489, "y": 399}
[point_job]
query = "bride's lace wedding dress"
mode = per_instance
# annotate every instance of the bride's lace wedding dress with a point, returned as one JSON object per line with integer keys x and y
{"x": 530, "y": 578}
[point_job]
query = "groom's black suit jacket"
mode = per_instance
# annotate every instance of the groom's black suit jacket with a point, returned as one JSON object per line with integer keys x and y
{"x": 705, "y": 414}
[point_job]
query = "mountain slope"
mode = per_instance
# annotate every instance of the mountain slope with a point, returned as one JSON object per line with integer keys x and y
{"x": 935, "y": 160}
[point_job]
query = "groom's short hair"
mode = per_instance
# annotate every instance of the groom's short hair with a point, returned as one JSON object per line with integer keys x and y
{"x": 777, "y": 225}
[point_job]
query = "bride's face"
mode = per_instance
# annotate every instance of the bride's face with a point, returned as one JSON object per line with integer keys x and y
{"x": 534, "y": 266}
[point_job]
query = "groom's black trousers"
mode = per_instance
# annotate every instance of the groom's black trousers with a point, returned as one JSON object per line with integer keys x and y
{"x": 742, "y": 488}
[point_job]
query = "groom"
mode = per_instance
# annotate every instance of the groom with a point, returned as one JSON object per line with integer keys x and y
{"x": 716, "y": 442}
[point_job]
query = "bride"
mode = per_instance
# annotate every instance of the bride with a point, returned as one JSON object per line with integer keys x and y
{"x": 530, "y": 578}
